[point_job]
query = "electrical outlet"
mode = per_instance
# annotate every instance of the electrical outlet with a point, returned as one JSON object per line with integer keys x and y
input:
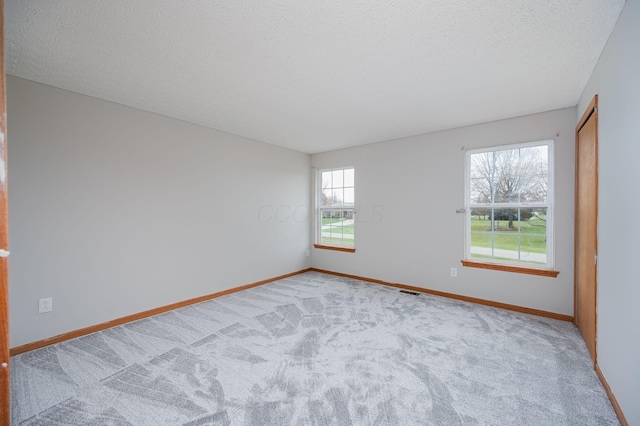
{"x": 45, "y": 305}
{"x": 454, "y": 272}
{"x": 308, "y": 252}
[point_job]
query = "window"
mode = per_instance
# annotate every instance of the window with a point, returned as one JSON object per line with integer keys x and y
{"x": 509, "y": 209}
{"x": 335, "y": 226}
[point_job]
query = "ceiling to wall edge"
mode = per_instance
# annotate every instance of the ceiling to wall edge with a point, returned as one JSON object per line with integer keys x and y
{"x": 289, "y": 147}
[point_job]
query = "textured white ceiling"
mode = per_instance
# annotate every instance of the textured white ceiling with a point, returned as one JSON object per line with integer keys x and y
{"x": 315, "y": 75}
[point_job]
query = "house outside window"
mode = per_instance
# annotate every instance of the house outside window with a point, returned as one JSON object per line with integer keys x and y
{"x": 335, "y": 226}
{"x": 509, "y": 205}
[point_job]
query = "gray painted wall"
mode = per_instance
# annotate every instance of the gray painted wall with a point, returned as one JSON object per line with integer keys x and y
{"x": 616, "y": 80}
{"x": 114, "y": 210}
{"x": 407, "y": 230}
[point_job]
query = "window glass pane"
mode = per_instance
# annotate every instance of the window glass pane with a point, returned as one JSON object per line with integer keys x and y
{"x": 506, "y": 178}
{"x": 479, "y": 216}
{"x": 495, "y": 239}
{"x": 349, "y": 177}
{"x": 534, "y": 173}
{"x": 506, "y": 220}
{"x": 533, "y": 249}
{"x": 337, "y": 227}
{"x": 325, "y": 197}
{"x": 534, "y": 221}
{"x": 337, "y": 196}
{"x": 485, "y": 223}
{"x": 506, "y": 246}
{"x": 480, "y": 191}
{"x": 326, "y": 180}
{"x": 482, "y": 233}
{"x": 338, "y": 178}
{"x": 481, "y": 245}
{"x": 349, "y": 196}
{"x": 481, "y": 165}
{"x": 510, "y": 176}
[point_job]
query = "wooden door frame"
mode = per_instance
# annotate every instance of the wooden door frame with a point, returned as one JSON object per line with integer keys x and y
{"x": 591, "y": 111}
{"x": 5, "y": 400}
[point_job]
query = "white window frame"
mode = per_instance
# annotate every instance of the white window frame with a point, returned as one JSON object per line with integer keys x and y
{"x": 549, "y": 205}
{"x": 319, "y": 209}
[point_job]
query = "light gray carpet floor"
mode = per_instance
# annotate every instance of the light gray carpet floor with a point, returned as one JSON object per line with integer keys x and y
{"x": 316, "y": 349}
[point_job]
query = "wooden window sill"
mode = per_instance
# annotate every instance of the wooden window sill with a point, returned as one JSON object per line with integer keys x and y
{"x": 511, "y": 268}
{"x": 346, "y": 249}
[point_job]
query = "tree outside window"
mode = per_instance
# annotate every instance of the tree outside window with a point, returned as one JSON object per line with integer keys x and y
{"x": 509, "y": 204}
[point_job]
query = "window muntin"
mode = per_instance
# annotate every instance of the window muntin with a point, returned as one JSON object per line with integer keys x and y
{"x": 336, "y": 208}
{"x": 509, "y": 211}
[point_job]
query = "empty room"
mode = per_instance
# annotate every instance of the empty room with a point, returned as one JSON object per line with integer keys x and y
{"x": 319, "y": 212}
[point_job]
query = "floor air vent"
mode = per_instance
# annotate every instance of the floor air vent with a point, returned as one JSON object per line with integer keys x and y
{"x": 413, "y": 293}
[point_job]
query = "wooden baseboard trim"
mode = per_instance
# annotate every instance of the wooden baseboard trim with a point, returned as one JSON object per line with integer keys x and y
{"x": 134, "y": 317}
{"x": 612, "y": 397}
{"x": 484, "y": 302}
